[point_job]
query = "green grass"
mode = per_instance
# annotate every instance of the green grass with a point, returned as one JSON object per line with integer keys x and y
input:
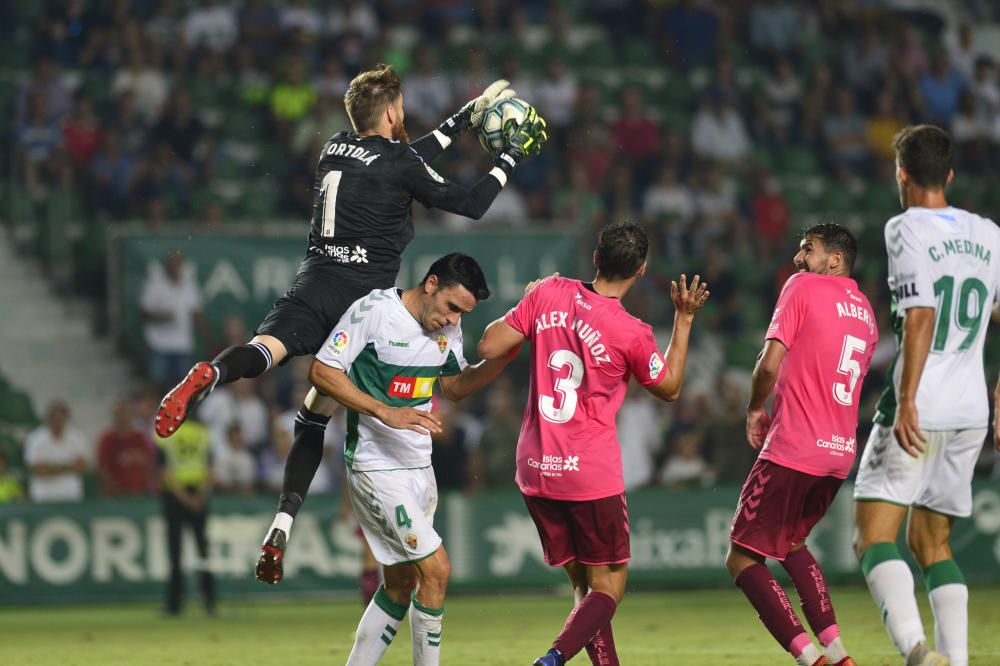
{"x": 687, "y": 628}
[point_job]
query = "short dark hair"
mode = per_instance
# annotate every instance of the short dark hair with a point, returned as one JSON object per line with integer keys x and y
{"x": 621, "y": 250}
{"x": 370, "y": 94}
{"x": 835, "y": 238}
{"x": 925, "y": 152}
{"x": 457, "y": 268}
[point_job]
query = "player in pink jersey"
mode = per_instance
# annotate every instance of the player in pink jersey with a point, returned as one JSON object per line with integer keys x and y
{"x": 584, "y": 347}
{"x": 816, "y": 353}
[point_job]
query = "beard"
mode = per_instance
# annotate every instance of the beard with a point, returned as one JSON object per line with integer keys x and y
{"x": 399, "y": 132}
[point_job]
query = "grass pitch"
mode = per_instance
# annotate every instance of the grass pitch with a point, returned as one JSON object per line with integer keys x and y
{"x": 684, "y": 628}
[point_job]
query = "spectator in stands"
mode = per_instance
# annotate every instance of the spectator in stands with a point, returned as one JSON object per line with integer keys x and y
{"x": 82, "y": 135}
{"x": 884, "y": 123}
{"x": 260, "y": 26}
{"x": 768, "y": 209}
{"x": 237, "y": 403}
{"x": 725, "y": 433}
{"x": 775, "y": 27}
{"x": 456, "y": 458}
{"x": 783, "y": 90}
{"x": 640, "y": 434}
{"x": 691, "y": 28}
{"x": 428, "y": 94}
{"x": 964, "y": 53}
{"x": 844, "y": 133}
{"x": 300, "y": 17}
{"x": 113, "y": 173}
{"x": 865, "y": 61}
{"x": 46, "y": 83}
{"x": 987, "y": 93}
{"x": 148, "y": 86}
{"x": 39, "y": 145}
{"x": 686, "y": 466}
{"x": 171, "y": 309}
{"x": 179, "y": 127}
{"x": 815, "y": 103}
{"x": 272, "y": 459}
{"x": 211, "y": 25}
{"x": 293, "y": 96}
{"x": 235, "y": 468}
{"x": 126, "y": 456}
{"x": 940, "y": 88}
{"x": 668, "y": 198}
{"x": 716, "y": 205}
{"x": 906, "y": 54}
{"x": 718, "y": 132}
{"x": 556, "y": 93}
{"x": 323, "y": 120}
{"x": 10, "y": 486}
{"x": 57, "y": 458}
{"x": 637, "y": 135}
{"x": 500, "y": 429}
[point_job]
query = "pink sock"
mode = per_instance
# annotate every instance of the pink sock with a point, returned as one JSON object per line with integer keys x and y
{"x": 589, "y": 617}
{"x": 601, "y": 648}
{"x": 799, "y": 643}
{"x": 829, "y": 635}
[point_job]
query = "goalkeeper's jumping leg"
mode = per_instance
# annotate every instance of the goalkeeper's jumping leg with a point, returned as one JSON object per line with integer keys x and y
{"x": 242, "y": 361}
{"x": 300, "y": 468}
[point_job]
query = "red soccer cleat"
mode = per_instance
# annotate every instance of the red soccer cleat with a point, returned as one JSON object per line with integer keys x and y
{"x": 846, "y": 661}
{"x": 822, "y": 661}
{"x": 200, "y": 380}
{"x": 269, "y": 567}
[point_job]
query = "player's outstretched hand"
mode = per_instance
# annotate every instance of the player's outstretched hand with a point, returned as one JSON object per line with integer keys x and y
{"x": 408, "y": 418}
{"x": 909, "y": 436}
{"x": 470, "y": 116}
{"x": 534, "y": 283}
{"x": 688, "y": 300}
{"x": 758, "y": 423}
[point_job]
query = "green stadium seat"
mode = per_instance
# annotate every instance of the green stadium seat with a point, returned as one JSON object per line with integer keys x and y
{"x": 16, "y": 409}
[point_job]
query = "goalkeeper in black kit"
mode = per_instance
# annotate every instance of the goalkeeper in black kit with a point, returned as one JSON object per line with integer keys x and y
{"x": 366, "y": 180}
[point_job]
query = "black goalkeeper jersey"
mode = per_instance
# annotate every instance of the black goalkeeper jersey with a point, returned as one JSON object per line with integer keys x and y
{"x": 364, "y": 187}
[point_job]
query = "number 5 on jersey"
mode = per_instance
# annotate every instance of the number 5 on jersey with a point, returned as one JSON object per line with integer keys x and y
{"x": 843, "y": 392}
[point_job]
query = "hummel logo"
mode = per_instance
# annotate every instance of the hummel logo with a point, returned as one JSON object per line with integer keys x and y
{"x": 753, "y": 501}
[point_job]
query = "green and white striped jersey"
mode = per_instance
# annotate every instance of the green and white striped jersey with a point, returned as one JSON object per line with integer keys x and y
{"x": 947, "y": 259}
{"x": 388, "y": 355}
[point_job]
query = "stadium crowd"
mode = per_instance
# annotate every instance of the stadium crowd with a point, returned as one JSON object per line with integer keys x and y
{"x": 721, "y": 126}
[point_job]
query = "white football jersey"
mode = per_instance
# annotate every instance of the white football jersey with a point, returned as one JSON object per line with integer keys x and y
{"x": 947, "y": 259}
{"x": 388, "y": 355}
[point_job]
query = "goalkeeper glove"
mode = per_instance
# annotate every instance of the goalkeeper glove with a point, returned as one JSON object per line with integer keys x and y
{"x": 470, "y": 116}
{"x": 522, "y": 141}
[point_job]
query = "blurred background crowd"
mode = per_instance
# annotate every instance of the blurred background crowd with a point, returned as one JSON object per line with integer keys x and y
{"x": 725, "y": 127}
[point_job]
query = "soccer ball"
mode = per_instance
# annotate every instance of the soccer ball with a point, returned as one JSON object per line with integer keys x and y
{"x": 503, "y": 117}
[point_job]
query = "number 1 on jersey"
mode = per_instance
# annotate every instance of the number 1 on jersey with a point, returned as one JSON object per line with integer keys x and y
{"x": 331, "y": 181}
{"x": 564, "y": 386}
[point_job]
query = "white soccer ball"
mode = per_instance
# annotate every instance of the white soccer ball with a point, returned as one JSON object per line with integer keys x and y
{"x": 505, "y": 116}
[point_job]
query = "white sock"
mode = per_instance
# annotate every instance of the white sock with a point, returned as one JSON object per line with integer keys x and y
{"x": 891, "y": 585}
{"x": 425, "y": 625}
{"x": 951, "y": 622}
{"x": 835, "y": 650}
{"x": 809, "y": 656}
{"x": 283, "y": 522}
{"x": 376, "y": 630}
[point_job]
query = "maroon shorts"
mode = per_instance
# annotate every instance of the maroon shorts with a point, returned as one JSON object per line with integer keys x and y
{"x": 778, "y": 508}
{"x": 593, "y": 532}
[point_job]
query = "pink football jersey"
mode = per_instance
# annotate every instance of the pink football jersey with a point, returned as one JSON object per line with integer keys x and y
{"x": 584, "y": 347}
{"x": 829, "y": 329}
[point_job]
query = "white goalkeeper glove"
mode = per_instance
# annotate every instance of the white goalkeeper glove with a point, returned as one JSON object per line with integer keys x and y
{"x": 470, "y": 116}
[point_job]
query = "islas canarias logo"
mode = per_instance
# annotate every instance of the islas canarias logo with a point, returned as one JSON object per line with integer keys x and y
{"x": 411, "y": 387}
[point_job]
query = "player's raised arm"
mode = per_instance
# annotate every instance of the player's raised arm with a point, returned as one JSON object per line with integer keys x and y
{"x": 469, "y": 117}
{"x": 687, "y": 301}
{"x": 434, "y": 191}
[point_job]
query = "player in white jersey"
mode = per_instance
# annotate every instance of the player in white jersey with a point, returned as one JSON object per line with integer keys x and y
{"x": 381, "y": 362}
{"x": 930, "y": 423}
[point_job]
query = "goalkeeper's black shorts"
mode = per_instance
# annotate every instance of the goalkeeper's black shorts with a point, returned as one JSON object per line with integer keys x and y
{"x": 309, "y": 311}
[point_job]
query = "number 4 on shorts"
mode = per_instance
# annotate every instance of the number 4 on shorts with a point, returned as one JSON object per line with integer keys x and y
{"x": 402, "y": 519}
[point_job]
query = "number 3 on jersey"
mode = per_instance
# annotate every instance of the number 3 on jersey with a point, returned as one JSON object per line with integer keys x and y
{"x": 331, "y": 181}
{"x": 843, "y": 392}
{"x": 565, "y": 386}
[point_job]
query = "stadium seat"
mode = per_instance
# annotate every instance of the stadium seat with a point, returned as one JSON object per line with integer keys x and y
{"x": 16, "y": 409}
